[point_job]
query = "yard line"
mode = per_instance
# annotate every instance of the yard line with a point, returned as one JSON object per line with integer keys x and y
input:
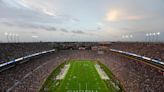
{"x": 79, "y": 87}
{"x": 86, "y": 87}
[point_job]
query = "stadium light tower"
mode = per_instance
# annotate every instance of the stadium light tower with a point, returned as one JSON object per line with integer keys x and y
{"x": 7, "y": 38}
{"x": 10, "y": 37}
{"x": 157, "y": 37}
{"x": 127, "y": 36}
{"x": 131, "y": 37}
{"x": 13, "y": 36}
{"x": 35, "y": 37}
{"x": 123, "y": 37}
{"x": 147, "y": 37}
{"x": 17, "y": 38}
{"x": 154, "y": 36}
{"x": 150, "y": 35}
{"x": 158, "y": 33}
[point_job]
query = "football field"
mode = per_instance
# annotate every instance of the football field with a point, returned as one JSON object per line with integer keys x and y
{"x": 82, "y": 76}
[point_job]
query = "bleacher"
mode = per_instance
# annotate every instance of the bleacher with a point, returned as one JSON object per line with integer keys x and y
{"x": 13, "y": 52}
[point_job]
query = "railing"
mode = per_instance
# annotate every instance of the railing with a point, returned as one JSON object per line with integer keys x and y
{"x": 139, "y": 56}
{"x": 26, "y": 57}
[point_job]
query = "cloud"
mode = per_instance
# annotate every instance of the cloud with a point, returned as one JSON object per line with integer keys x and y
{"x": 49, "y": 28}
{"x": 63, "y": 30}
{"x": 118, "y": 15}
{"x": 65, "y": 16}
{"x": 113, "y": 15}
{"x": 35, "y": 33}
{"x": 78, "y": 32}
{"x": 49, "y": 13}
{"x": 18, "y": 13}
{"x": 135, "y": 17}
{"x": 27, "y": 25}
{"x": 100, "y": 26}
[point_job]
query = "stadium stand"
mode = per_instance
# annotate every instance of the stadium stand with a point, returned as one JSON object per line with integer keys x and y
{"x": 135, "y": 76}
{"x": 152, "y": 50}
{"x": 11, "y": 51}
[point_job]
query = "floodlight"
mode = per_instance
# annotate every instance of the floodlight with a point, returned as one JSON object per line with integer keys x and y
{"x": 131, "y": 36}
{"x": 127, "y": 36}
{"x": 35, "y": 36}
{"x": 6, "y": 33}
{"x": 10, "y": 34}
{"x": 154, "y": 33}
{"x": 150, "y": 34}
{"x": 147, "y": 34}
{"x": 158, "y": 33}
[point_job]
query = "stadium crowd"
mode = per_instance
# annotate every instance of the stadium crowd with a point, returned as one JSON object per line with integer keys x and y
{"x": 152, "y": 50}
{"x": 11, "y": 51}
{"x": 135, "y": 76}
{"x": 27, "y": 76}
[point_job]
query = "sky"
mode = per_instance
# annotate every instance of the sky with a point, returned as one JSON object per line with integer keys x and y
{"x": 81, "y": 20}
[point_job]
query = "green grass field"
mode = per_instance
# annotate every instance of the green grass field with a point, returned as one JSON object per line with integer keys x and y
{"x": 82, "y": 76}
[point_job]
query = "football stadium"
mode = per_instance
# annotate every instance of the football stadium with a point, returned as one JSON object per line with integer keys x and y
{"x": 81, "y": 46}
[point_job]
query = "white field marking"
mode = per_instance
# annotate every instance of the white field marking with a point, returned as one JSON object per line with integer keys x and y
{"x": 115, "y": 86}
{"x": 63, "y": 72}
{"x": 79, "y": 86}
{"x": 57, "y": 84}
{"x": 101, "y": 72}
{"x": 86, "y": 86}
{"x": 82, "y": 90}
{"x": 76, "y": 90}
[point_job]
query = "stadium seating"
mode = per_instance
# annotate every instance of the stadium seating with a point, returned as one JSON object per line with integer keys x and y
{"x": 11, "y": 51}
{"x": 152, "y": 50}
{"x": 135, "y": 76}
